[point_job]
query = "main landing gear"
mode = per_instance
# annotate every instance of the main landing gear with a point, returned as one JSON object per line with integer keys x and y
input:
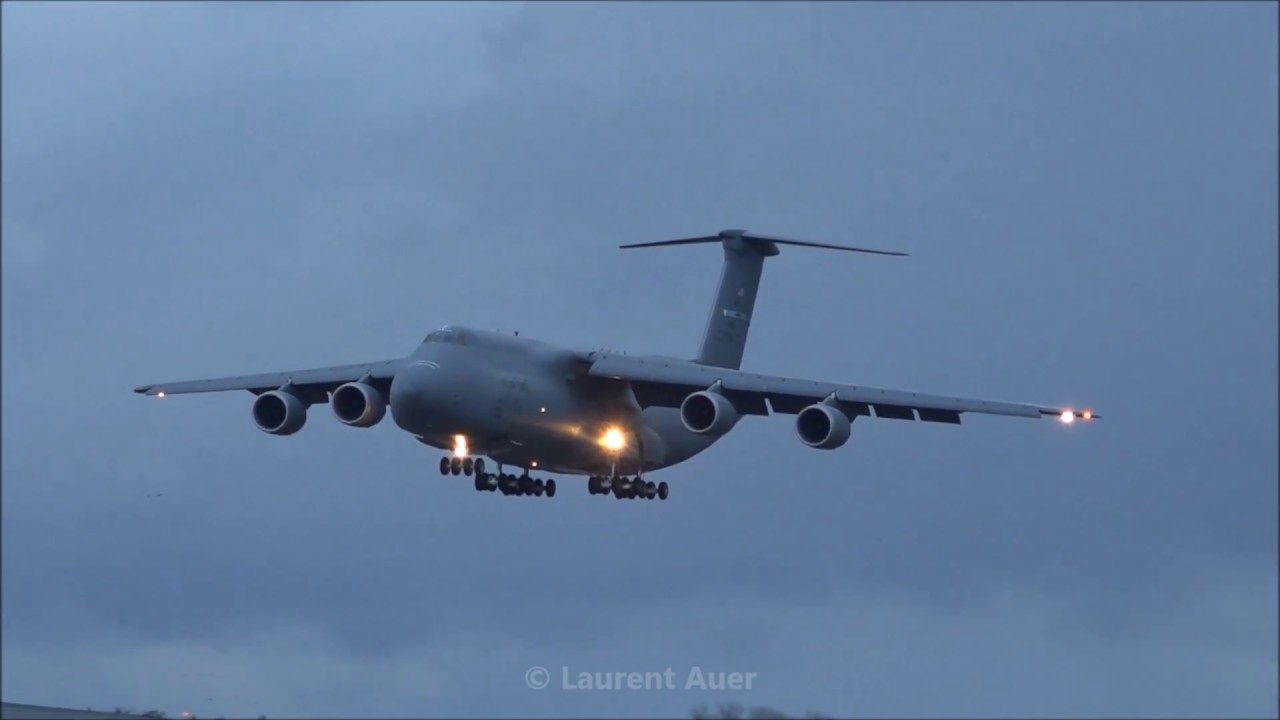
{"x": 521, "y": 485}
{"x": 624, "y": 488}
{"x": 508, "y": 484}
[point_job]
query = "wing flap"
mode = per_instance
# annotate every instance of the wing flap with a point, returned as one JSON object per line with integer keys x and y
{"x": 665, "y": 382}
{"x": 316, "y": 380}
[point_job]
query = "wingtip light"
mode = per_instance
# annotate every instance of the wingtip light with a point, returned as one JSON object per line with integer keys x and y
{"x": 1069, "y": 416}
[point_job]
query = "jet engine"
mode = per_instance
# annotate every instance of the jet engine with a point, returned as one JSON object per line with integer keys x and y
{"x": 708, "y": 413}
{"x": 358, "y": 404}
{"x": 823, "y": 426}
{"x": 279, "y": 413}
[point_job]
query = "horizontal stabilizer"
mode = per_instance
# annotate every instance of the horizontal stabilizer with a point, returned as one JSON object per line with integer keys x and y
{"x": 766, "y": 243}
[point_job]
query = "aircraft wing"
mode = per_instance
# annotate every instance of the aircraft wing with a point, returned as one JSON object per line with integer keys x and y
{"x": 666, "y": 383}
{"x": 314, "y": 384}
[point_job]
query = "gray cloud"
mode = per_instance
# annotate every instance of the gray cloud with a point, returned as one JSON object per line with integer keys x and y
{"x": 1088, "y": 195}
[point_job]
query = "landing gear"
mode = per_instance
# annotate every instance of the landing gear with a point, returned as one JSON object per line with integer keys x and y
{"x": 624, "y": 488}
{"x": 521, "y": 485}
{"x": 462, "y": 466}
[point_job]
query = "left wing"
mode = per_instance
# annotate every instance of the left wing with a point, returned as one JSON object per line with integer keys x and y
{"x": 314, "y": 385}
{"x": 666, "y": 383}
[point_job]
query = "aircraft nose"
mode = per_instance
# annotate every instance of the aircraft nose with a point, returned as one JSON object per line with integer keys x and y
{"x": 408, "y": 396}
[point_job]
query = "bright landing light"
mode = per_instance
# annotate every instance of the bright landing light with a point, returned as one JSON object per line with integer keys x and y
{"x": 1068, "y": 417}
{"x": 613, "y": 439}
{"x": 460, "y": 446}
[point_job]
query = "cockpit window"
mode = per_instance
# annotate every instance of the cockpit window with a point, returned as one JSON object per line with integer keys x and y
{"x": 447, "y": 334}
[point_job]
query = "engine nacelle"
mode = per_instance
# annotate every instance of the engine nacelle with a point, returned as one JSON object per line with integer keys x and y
{"x": 708, "y": 413}
{"x": 358, "y": 404}
{"x": 823, "y": 426}
{"x": 279, "y": 413}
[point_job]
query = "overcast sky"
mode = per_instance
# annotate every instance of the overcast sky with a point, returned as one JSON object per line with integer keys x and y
{"x": 1089, "y": 196}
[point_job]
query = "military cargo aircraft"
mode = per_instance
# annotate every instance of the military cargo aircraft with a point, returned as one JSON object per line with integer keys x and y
{"x": 611, "y": 417}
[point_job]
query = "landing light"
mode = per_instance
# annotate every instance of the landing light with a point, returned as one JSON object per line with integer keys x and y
{"x": 1068, "y": 417}
{"x": 613, "y": 439}
{"x": 160, "y": 394}
{"x": 460, "y": 446}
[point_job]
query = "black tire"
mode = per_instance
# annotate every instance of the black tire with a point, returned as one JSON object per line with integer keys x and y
{"x": 479, "y": 466}
{"x": 526, "y": 485}
{"x": 593, "y": 485}
{"x": 444, "y": 465}
{"x": 538, "y": 488}
{"x": 663, "y": 490}
{"x": 455, "y": 466}
{"x": 481, "y": 483}
{"x": 467, "y": 466}
{"x": 550, "y": 488}
{"x": 650, "y": 490}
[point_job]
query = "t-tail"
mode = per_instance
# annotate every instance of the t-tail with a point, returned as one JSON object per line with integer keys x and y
{"x": 725, "y": 338}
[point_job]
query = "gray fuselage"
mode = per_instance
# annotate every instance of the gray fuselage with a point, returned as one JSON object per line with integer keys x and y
{"x": 520, "y": 402}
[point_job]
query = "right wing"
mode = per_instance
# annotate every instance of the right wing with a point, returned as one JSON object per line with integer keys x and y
{"x": 666, "y": 383}
{"x": 314, "y": 385}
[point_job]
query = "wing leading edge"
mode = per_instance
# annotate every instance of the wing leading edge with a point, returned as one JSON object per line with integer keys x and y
{"x": 315, "y": 383}
{"x": 665, "y": 383}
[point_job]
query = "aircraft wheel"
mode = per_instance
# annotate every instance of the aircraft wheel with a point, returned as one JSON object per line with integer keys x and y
{"x": 663, "y": 490}
{"x": 479, "y": 465}
{"x": 455, "y": 466}
{"x": 526, "y": 485}
{"x": 593, "y": 485}
{"x": 467, "y": 466}
{"x": 551, "y": 488}
{"x": 444, "y": 466}
{"x": 538, "y": 488}
{"x": 507, "y": 484}
{"x": 481, "y": 483}
{"x": 619, "y": 488}
{"x": 650, "y": 490}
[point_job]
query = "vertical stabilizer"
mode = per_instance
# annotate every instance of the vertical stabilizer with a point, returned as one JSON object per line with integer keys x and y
{"x": 725, "y": 337}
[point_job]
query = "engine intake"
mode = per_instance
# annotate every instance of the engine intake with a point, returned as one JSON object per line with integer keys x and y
{"x": 708, "y": 413}
{"x": 279, "y": 413}
{"x": 358, "y": 404}
{"x": 823, "y": 427}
